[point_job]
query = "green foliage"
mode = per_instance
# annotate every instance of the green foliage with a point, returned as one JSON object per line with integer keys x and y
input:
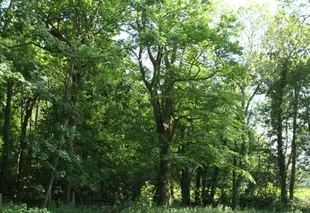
{"x": 10, "y": 208}
{"x": 149, "y": 208}
{"x": 131, "y": 208}
{"x": 90, "y": 91}
{"x": 21, "y": 209}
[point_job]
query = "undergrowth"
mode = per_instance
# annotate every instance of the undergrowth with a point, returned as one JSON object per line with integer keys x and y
{"x": 128, "y": 208}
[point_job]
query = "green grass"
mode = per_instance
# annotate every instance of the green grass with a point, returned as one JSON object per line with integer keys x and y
{"x": 303, "y": 193}
{"x": 303, "y": 196}
{"x": 131, "y": 208}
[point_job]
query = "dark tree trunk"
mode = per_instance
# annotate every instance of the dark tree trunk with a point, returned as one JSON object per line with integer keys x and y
{"x": 6, "y": 140}
{"x": 235, "y": 190}
{"x": 278, "y": 112}
{"x": 22, "y": 157}
{"x": 205, "y": 189}
{"x": 68, "y": 184}
{"x": 71, "y": 116}
{"x": 186, "y": 186}
{"x": 51, "y": 181}
{"x": 162, "y": 115}
{"x": 282, "y": 170}
{"x": 162, "y": 105}
{"x": 213, "y": 186}
{"x": 23, "y": 136}
{"x": 67, "y": 192}
{"x": 294, "y": 146}
{"x": 163, "y": 193}
{"x": 197, "y": 186}
{"x": 65, "y": 122}
{"x": 36, "y": 116}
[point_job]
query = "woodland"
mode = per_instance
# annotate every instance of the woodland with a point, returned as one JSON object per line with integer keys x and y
{"x": 183, "y": 103}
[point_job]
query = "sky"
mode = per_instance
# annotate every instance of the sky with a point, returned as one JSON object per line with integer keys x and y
{"x": 235, "y": 4}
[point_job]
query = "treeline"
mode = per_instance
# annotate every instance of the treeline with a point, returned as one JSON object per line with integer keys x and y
{"x": 174, "y": 101}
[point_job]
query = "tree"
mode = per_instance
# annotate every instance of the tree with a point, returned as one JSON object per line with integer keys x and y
{"x": 286, "y": 51}
{"x": 190, "y": 51}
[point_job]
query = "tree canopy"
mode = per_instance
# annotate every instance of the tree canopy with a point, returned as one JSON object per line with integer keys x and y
{"x": 182, "y": 101}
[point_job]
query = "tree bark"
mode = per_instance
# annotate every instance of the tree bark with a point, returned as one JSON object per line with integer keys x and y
{"x": 213, "y": 186}
{"x": 278, "y": 111}
{"x": 162, "y": 105}
{"x": 51, "y": 181}
{"x": 6, "y": 139}
{"x": 72, "y": 124}
{"x": 163, "y": 193}
{"x": 235, "y": 188}
{"x": 36, "y": 116}
{"x": 197, "y": 186}
{"x": 21, "y": 161}
{"x": 185, "y": 186}
{"x": 23, "y": 136}
{"x": 294, "y": 145}
{"x": 11, "y": 4}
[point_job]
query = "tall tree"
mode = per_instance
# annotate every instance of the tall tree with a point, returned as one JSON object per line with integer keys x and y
{"x": 174, "y": 46}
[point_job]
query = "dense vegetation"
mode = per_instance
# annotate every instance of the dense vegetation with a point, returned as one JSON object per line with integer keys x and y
{"x": 182, "y": 103}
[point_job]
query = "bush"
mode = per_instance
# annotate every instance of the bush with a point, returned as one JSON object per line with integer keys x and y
{"x": 136, "y": 207}
{"x": 11, "y": 208}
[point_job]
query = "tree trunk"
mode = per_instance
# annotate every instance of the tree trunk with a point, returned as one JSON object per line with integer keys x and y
{"x": 205, "y": 188}
{"x": 163, "y": 193}
{"x": 6, "y": 139}
{"x": 278, "y": 108}
{"x": 72, "y": 124}
{"x": 23, "y": 136}
{"x": 282, "y": 171}
{"x": 197, "y": 186}
{"x": 36, "y": 116}
{"x": 214, "y": 184}
{"x": 11, "y": 4}
{"x": 67, "y": 191}
{"x": 235, "y": 188}
{"x": 73, "y": 197}
{"x": 294, "y": 146}
{"x": 185, "y": 186}
{"x": 21, "y": 161}
{"x": 51, "y": 181}
{"x": 68, "y": 184}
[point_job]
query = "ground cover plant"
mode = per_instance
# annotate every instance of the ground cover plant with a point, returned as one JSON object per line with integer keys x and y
{"x": 137, "y": 208}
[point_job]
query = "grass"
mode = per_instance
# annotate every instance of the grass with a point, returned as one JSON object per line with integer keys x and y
{"x": 141, "y": 207}
{"x": 303, "y": 193}
{"x": 138, "y": 209}
{"x": 303, "y": 196}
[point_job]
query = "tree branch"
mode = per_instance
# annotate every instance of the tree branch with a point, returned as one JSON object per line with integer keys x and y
{"x": 151, "y": 56}
{"x": 251, "y": 98}
{"x": 196, "y": 79}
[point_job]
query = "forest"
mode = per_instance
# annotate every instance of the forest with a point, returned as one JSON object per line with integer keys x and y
{"x": 154, "y": 105}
